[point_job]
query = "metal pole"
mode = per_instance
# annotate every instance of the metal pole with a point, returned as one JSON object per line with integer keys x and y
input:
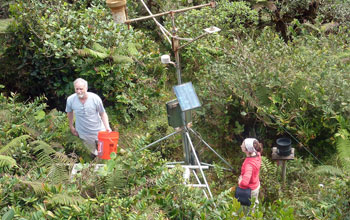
{"x": 206, "y": 144}
{"x": 187, "y": 152}
{"x": 212, "y": 4}
{"x": 211, "y": 165}
{"x": 284, "y": 169}
{"x": 157, "y": 141}
{"x": 186, "y": 148}
{"x": 175, "y": 46}
{"x": 199, "y": 182}
{"x": 177, "y": 61}
{"x": 199, "y": 165}
{"x": 197, "y": 38}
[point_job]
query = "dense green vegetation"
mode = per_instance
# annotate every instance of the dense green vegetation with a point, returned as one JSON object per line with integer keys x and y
{"x": 276, "y": 68}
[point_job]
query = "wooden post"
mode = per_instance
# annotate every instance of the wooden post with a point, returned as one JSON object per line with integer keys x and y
{"x": 118, "y": 8}
{"x": 282, "y": 161}
{"x": 284, "y": 168}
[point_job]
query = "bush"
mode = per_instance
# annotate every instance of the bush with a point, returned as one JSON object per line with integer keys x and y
{"x": 262, "y": 82}
{"x": 334, "y": 11}
{"x": 54, "y": 44}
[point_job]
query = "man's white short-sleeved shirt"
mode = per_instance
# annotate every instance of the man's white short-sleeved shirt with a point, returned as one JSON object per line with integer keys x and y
{"x": 87, "y": 116}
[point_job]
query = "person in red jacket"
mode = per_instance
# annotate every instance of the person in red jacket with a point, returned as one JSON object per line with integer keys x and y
{"x": 250, "y": 170}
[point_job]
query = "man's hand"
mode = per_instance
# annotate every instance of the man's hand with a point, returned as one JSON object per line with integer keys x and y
{"x": 74, "y": 132}
{"x": 71, "y": 123}
{"x": 104, "y": 118}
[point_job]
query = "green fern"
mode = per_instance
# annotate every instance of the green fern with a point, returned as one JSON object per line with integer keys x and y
{"x": 132, "y": 48}
{"x": 328, "y": 170}
{"x": 267, "y": 167}
{"x": 30, "y": 109}
{"x": 343, "y": 148}
{"x": 44, "y": 152}
{"x": 100, "y": 48}
{"x": 6, "y": 161}
{"x": 58, "y": 173}
{"x": 57, "y": 163}
{"x": 14, "y": 143}
{"x": 37, "y": 186}
{"x": 262, "y": 95}
{"x": 115, "y": 54}
{"x": 59, "y": 168}
{"x": 219, "y": 171}
{"x": 312, "y": 27}
{"x": 31, "y": 131}
{"x": 65, "y": 199}
{"x": 116, "y": 179}
{"x": 62, "y": 158}
{"x": 90, "y": 52}
{"x": 100, "y": 184}
{"x": 63, "y": 161}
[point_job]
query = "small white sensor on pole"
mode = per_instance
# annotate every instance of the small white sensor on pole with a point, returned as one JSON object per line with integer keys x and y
{"x": 165, "y": 59}
{"x": 212, "y": 30}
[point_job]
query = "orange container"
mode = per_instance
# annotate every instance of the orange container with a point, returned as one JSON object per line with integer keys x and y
{"x": 107, "y": 143}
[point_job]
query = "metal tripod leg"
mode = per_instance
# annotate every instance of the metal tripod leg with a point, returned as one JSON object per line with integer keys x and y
{"x": 211, "y": 165}
{"x": 199, "y": 164}
{"x": 163, "y": 138}
{"x": 198, "y": 180}
{"x": 186, "y": 149}
{"x": 206, "y": 144}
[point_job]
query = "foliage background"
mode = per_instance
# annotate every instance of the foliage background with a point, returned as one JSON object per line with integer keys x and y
{"x": 277, "y": 68}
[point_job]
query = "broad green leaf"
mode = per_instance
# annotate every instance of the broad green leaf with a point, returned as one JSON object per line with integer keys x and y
{"x": 40, "y": 115}
{"x": 132, "y": 49}
{"x": 8, "y": 215}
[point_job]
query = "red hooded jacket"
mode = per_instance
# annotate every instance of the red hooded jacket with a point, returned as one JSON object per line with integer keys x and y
{"x": 250, "y": 172}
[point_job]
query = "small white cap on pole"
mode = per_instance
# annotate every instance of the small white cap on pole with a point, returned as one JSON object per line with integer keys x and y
{"x": 165, "y": 59}
{"x": 212, "y": 29}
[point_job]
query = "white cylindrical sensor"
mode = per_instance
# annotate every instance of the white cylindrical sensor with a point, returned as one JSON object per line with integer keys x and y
{"x": 165, "y": 59}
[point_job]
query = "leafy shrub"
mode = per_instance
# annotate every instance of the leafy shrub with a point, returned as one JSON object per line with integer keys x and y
{"x": 248, "y": 85}
{"x": 334, "y": 11}
{"x": 321, "y": 189}
{"x": 281, "y": 85}
{"x": 4, "y": 13}
{"x": 48, "y": 39}
{"x": 234, "y": 18}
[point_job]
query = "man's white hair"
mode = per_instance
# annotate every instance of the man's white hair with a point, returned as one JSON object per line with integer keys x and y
{"x": 81, "y": 80}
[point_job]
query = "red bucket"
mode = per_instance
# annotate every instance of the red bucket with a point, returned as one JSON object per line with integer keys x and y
{"x": 107, "y": 143}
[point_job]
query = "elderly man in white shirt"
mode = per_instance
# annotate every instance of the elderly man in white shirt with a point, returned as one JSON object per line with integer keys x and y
{"x": 90, "y": 115}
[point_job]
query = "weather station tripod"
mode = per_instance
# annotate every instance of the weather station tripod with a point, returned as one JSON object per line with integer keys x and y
{"x": 192, "y": 164}
{"x": 179, "y": 110}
